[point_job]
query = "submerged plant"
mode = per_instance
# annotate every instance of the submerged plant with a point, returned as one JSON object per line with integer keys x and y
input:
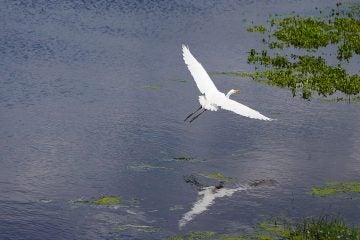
{"x": 279, "y": 64}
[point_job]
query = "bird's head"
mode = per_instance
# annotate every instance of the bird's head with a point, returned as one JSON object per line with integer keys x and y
{"x": 231, "y": 92}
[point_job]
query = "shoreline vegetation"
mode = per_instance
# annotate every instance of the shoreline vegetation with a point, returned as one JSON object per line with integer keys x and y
{"x": 322, "y": 228}
{"x": 297, "y": 50}
{"x": 314, "y": 228}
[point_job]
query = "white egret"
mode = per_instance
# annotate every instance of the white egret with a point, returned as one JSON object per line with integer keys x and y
{"x": 213, "y": 99}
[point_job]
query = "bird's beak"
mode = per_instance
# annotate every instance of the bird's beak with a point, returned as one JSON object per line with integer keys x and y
{"x": 236, "y": 91}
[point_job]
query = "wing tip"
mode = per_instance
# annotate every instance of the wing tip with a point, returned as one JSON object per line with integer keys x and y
{"x": 268, "y": 119}
{"x": 183, "y": 46}
{"x": 185, "y": 49}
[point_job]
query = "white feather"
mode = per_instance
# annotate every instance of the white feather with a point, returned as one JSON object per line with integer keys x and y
{"x": 202, "y": 79}
{"x": 213, "y": 98}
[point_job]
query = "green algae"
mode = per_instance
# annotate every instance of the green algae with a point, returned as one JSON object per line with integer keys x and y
{"x": 333, "y": 188}
{"x": 216, "y": 176}
{"x": 304, "y": 74}
{"x": 107, "y": 200}
{"x": 102, "y": 201}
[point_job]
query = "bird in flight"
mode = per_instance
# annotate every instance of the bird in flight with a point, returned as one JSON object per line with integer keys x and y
{"x": 212, "y": 99}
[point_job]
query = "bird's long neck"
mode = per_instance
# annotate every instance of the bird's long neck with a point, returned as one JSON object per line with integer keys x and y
{"x": 229, "y": 93}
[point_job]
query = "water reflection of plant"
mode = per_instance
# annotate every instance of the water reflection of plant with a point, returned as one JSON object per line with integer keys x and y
{"x": 309, "y": 72}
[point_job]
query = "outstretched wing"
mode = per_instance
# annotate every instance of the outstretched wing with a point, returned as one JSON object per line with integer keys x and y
{"x": 202, "y": 79}
{"x": 231, "y": 105}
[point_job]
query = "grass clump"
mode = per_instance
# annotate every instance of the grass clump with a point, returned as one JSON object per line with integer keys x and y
{"x": 280, "y": 63}
{"x": 324, "y": 229}
{"x": 332, "y": 188}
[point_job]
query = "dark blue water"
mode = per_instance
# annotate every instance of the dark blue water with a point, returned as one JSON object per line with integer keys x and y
{"x": 78, "y": 122}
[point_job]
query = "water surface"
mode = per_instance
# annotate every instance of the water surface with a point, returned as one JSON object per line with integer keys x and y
{"x": 78, "y": 122}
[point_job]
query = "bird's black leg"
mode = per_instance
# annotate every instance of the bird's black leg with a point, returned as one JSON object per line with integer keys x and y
{"x": 192, "y": 113}
{"x": 198, "y": 115}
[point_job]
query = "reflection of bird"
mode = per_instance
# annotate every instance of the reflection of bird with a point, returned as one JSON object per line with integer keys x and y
{"x": 213, "y": 99}
{"x": 207, "y": 196}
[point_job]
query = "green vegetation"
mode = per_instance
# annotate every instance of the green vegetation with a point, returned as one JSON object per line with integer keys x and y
{"x": 107, "y": 200}
{"x": 332, "y": 188}
{"x": 257, "y": 28}
{"x": 269, "y": 230}
{"x": 323, "y": 228}
{"x": 103, "y": 201}
{"x": 216, "y": 176}
{"x": 280, "y": 63}
{"x": 180, "y": 80}
{"x": 198, "y": 235}
{"x": 230, "y": 237}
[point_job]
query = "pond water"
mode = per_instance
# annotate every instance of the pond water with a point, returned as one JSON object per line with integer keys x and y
{"x": 92, "y": 101}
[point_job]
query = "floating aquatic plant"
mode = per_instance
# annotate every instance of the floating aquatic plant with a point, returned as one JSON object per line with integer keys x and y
{"x": 332, "y": 188}
{"x": 107, "y": 200}
{"x": 280, "y": 63}
{"x": 186, "y": 158}
{"x": 216, "y": 176}
{"x": 257, "y": 28}
{"x": 103, "y": 201}
{"x": 180, "y": 80}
